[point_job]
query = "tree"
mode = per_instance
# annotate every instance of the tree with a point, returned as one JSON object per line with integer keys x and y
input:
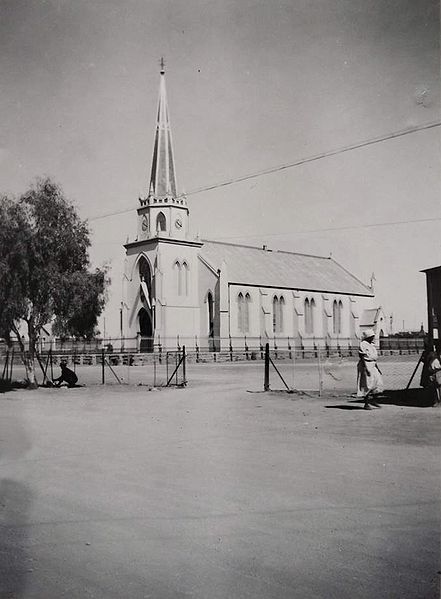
{"x": 44, "y": 269}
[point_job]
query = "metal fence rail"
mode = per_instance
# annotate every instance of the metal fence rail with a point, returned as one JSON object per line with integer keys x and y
{"x": 317, "y": 370}
{"x": 120, "y": 347}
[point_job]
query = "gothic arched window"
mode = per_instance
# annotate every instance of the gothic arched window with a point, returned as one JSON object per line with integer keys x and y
{"x": 278, "y": 305}
{"x": 281, "y": 309}
{"x": 335, "y": 318}
{"x": 246, "y": 320}
{"x": 161, "y": 223}
{"x": 340, "y": 317}
{"x": 275, "y": 313}
{"x": 243, "y": 312}
{"x": 145, "y": 273}
{"x": 311, "y": 310}
{"x": 185, "y": 275}
{"x": 178, "y": 277}
{"x": 240, "y": 312}
{"x": 309, "y": 316}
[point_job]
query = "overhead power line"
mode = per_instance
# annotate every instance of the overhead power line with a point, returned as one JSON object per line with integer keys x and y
{"x": 320, "y": 156}
{"x": 344, "y": 228}
{"x": 301, "y": 161}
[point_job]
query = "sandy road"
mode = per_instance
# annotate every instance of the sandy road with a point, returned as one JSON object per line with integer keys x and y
{"x": 216, "y": 493}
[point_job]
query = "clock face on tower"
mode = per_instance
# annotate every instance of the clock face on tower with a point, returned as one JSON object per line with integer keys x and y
{"x": 178, "y": 223}
{"x": 145, "y": 222}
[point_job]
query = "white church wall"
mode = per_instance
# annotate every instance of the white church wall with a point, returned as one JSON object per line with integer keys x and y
{"x": 208, "y": 283}
{"x": 180, "y": 293}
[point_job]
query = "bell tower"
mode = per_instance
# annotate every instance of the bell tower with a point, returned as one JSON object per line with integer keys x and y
{"x": 161, "y": 281}
{"x": 163, "y": 212}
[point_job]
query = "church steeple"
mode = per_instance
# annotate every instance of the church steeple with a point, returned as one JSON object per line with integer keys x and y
{"x": 163, "y": 175}
{"x": 163, "y": 212}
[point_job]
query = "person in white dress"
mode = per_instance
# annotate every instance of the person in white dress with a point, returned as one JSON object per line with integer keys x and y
{"x": 369, "y": 378}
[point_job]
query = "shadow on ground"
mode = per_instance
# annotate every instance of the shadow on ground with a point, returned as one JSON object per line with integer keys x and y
{"x": 416, "y": 398}
{"x": 345, "y": 407}
{"x": 15, "y": 504}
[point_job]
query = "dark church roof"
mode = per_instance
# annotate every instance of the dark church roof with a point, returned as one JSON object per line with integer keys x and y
{"x": 248, "y": 265}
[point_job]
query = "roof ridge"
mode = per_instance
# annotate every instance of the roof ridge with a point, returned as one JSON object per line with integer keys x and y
{"x": 255, "y": 247}
{"x": 240, "y": 245}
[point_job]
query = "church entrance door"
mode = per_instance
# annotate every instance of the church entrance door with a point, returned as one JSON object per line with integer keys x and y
{"x": 146, "y": 330}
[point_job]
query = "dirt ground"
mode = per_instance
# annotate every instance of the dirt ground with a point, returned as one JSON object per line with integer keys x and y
{"x": 216, "y": 491}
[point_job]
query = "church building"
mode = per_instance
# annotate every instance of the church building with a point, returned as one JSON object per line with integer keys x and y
{"x": 181, "y": 290}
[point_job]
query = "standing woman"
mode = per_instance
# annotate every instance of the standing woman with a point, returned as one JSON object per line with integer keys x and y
{"x": 369, "y": 379}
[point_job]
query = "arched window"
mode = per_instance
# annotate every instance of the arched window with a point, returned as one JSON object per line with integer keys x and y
{"x": 340, "y": 317}
{"x": 335, "y": 318}
{"x": 312, "y": 310}
{"x": 309, "y": 316}
{"x": 281, "y": 310}
{"x": 278, "y": 304}
{"x": 161, "y": 223}
{"x": 145, "y": 274}
{"x": 275, "y": 313}
{"x": 178, "y": 277}
{"x": 185, "y": 275}
{"x": 246, "y": 313}
{"x": 240, "y": 312}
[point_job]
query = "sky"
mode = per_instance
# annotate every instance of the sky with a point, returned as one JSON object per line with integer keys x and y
{"x": 251, "y": 85}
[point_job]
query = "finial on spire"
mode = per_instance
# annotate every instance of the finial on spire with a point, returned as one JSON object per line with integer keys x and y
{"x": 162, "y": 64}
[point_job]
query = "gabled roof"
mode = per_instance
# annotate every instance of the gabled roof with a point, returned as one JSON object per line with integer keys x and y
{"x": 369, "y": 317}
{"x": 433, "y": 269}
{"x": 265, "y": 268}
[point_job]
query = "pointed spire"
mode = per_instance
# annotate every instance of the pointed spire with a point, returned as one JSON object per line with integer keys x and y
{"x": 163, "y": 175}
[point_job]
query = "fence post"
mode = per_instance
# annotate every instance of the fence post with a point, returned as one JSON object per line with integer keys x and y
{"x": 293, "y": 362}
{"x": 289, "y": 349}
{"x": 102, "y": 366}
{"x": 319, "y": 373}
{"x": 246, "y": 347}
{"x": 197, "y": 348}
{"x": 159, "y": 350}
{"x": 267, "y": 363}
{"x": 261, "y": 347}
{"x": 231, "y": 348}
{"x": 154, "y": 371}
{"x": 184, "y": 366}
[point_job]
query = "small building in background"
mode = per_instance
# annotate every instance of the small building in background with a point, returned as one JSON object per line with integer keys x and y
{"x": 374, "y": 318}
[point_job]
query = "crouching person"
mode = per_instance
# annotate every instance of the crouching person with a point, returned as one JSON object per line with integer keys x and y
{"x": 67, "y": 376}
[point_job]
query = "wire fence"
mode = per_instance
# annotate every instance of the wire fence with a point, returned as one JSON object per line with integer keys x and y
{"x": 99, "y": 369}
{"x": 317, "y": 370}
